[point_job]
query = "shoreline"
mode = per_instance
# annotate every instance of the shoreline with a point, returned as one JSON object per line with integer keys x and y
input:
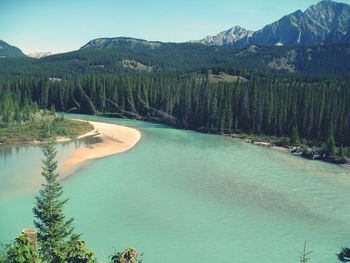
{"x": 111, "y": 139}
{"x": 282, "y": 149}
{"x": 285, "y": 149}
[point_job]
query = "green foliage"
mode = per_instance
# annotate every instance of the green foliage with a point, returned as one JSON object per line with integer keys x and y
{"x": 341, "y": 153}
{"x": 331, "y": 144}
{"x": 344, "y": 255}
{"x": 3, "y": 252}
{"x": 304, "y": 254}
{"x": 23, "y": 251}
{"x": 322, "y": 60}
{"x": 53, "y": 111}
{"x": 129, "y": 255}
{"x": 294, "y": 136}
{"x": 54, "y": 230}
{"x": 263, "y": 105}
{"x": 46, "y": 130}
{"x": 79, "y": 254}
{"x": 15, "y": 109}
{"x": 27, "y": 134}
{"x": 74, "y": 252}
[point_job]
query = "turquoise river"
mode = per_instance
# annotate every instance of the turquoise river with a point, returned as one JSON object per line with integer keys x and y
{"x": 182, "y": 196}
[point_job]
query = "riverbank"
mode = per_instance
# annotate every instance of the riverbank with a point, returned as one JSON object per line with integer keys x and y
{"x": 36, "y": 133}
{"x": 280, "y": 144}
{"x": 110, "y": 139}
{"x": 277, "y": 143}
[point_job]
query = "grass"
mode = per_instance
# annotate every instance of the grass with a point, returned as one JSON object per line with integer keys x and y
{"x": 72, "y": 129}
{"x": 135, "y": 65}
{"x": 223, "y": 77}
{"x": 28, "y": 133}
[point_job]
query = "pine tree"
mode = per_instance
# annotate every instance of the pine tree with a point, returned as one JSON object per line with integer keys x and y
{"x": 294, "y": 136}
{"x": 344, "y": 255}
{"x": 341, "y": 153}
{"x": 331, "y": 143}
{"x": 54, "y": 230}
{"x": 304, "y": 255}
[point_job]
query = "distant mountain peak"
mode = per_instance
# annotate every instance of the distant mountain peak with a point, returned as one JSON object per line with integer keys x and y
{"x": 235, "y": 34}
{"x": 39, "y": 54}
{"x": 326, "y": 22}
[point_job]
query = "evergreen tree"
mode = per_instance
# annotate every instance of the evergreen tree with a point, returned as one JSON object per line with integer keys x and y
{"x": 54, "y": 230}
{"x": 304, "y": 255}
{"x": 330, "y": 143}
{"x": 341, "y": 153}
{"x": 4, "y": 249}
{"x": 264, "y": 104}
{"x": 294, "y": 136}
{"x": 344, "y": 255}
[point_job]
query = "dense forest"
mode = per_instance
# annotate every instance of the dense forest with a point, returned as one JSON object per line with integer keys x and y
{"x": 325, "y": 60}
{"x": 262, "y": 104}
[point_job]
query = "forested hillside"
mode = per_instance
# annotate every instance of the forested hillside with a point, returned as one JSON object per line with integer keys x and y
{"x": 108, "y": 59}
{"x": 272, "y": 105}
{"x": 7, "y": 50}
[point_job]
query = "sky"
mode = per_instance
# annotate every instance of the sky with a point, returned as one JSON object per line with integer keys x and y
{"x": 65, "y": 25}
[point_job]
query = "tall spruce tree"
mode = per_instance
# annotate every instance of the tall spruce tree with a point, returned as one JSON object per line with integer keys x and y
{"x": 54, "y": 230}
{"x": 294, "y": 136}
{"x": 330, "y": 143}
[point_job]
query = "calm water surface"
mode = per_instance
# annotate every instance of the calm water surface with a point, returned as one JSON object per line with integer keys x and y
{"x": 181, "y": 196}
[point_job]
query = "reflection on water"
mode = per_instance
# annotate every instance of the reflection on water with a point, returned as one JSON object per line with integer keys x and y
{"x": 7, "y": 151}
{"x": 21, "y": 165}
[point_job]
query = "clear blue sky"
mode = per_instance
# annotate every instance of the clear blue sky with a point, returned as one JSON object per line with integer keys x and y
{"x": 64, "y": 25}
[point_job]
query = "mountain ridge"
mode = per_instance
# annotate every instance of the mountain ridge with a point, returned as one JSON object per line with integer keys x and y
{"x": 324, "y": 23}
{"x": 108, "y": 42}
{"x": 6, "y": 50}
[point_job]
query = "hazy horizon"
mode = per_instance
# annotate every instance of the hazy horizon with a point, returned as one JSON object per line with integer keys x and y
{"x": 56, "y": 26}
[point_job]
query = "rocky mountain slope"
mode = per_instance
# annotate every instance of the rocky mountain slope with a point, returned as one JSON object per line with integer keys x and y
{"x": 324, "y": 23}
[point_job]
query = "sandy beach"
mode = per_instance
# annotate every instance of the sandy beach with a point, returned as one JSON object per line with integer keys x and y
{"x": 113, "y": 139}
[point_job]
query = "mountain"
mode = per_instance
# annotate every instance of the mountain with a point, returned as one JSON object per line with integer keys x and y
{"x": 324, "y": 23}
{"x": 119, "y": 56}
{"x": 39, "y": 54}
{"x": 237, "y": 35}
{"x": 102, "y": 43}
{"x": 7, "y": 50}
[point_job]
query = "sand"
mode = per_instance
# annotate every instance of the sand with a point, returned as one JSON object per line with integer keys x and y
{"x": 113, "y": 139}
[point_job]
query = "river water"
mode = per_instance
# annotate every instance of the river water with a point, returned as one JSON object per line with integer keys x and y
{"x": 182, "y": 196}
